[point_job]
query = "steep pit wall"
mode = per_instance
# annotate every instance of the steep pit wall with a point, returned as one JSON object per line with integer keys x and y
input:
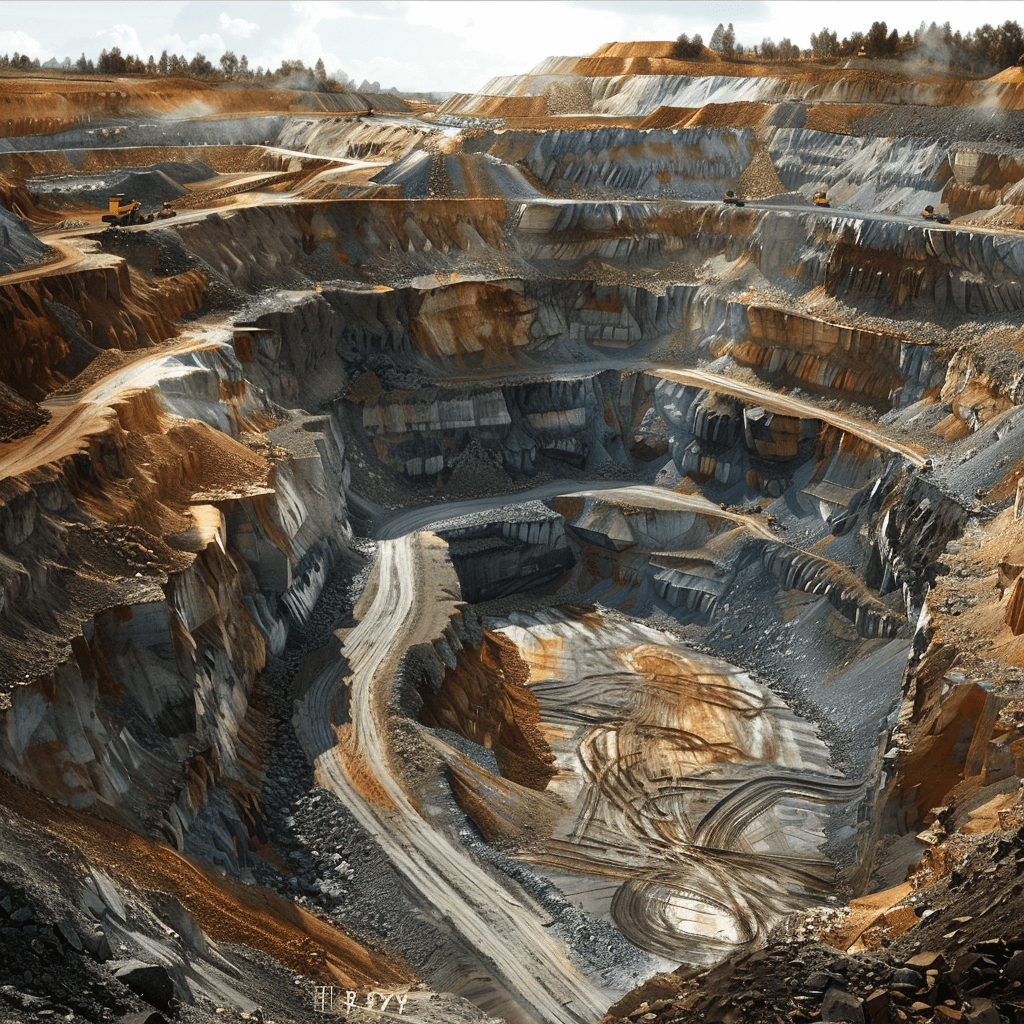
{"x": 869, "y": 366}
{"x": 713, "y": 437}
{"x": 873, "y": 175}
{"x": 483, "y": 698}
{"x": 365, "y": 344}
{"x": 348, "y": 138}
{"x": 910, "y": 521}
{"x": 927, "y": 272}
{"x": 422, "y": 433}
{"x": 295, "y": 538}
{"x": 18, "y": 246}
{"x": 689, "y": 163}
{"x": 128, "y": 693}
{"x": 515, "y": 550}
{"x": 981, "y": 181}
{"x": 32, "y": 169}
{"x": 923, "y": 271}
{"x": 53, "y": 325}
{"x": 145, "y": 576}
{"x": 368, "y": 242}
{"x": 883, "y": 174}
{"x": 660, "y": 562}
{"x": 132, "y": 132}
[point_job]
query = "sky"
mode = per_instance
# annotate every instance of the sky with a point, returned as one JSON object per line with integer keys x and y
{"x": 438, "y": 45}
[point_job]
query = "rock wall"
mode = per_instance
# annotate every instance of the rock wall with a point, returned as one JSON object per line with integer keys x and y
{"x": 832, "y": 357}
{"x": 180, "y": 553}
{"x": 52, "y": 326}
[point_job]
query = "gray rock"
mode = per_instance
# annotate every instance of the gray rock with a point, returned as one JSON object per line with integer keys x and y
{"x": 1014, "y": 969}
{"x": 65, "y": 927}
{"x": 840, "y": 1005}
{"x": 982, "y": 1012}
{"x": 817, "y": 982}
{"x": 95, "y": 941}
{"x": 909, "y": 977}
{"x": 150, "y": 981}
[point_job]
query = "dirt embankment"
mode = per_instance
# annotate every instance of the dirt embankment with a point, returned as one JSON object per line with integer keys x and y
{"x": 31, "y": 106}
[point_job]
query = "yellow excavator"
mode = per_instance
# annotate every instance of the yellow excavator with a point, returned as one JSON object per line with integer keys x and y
{"x": 165, "y": 211}
{"x": 930, "y": 213}
{"x": 123, "y": 212}
{"x": 732, "y": 199}
{"x": 821, "y": 199}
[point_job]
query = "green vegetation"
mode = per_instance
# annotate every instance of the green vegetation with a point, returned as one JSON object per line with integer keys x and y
{"x": 985, "y": 49}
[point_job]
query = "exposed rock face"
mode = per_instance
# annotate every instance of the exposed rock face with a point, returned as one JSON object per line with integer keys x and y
{"x": 746, "y": 641}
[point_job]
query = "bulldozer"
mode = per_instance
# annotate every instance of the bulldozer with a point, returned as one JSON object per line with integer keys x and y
{"x": 930, "y": 213}
{"x": 165, "y": 211}
{"x": 123, "y": 212}
{"x": 732, "y": 199}
{"x": 821, "y": 199}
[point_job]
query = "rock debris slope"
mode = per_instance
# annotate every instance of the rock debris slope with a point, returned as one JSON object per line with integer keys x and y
{"x": 457, "y": 559}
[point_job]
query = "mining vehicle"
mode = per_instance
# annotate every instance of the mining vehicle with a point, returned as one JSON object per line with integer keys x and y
{"x": 732, "y": 199}
{"x": 930, "y": 213}
{"x": 165, "y": 211}
{"x": 821, "y": 199}
{"x": 124, "y": 212}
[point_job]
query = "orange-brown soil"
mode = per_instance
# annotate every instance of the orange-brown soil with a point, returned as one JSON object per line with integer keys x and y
{"x": 226, "y": 909}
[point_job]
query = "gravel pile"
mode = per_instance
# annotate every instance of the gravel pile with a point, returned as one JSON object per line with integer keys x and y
{"x": 18, "y": 246}
{"x": 955, "y": 124}
{"x": 18, "y": 416}
{"x": 151, "y": 185}
{"x": 760, "y": 180}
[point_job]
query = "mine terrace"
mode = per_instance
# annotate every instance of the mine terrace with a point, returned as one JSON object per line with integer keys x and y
{"x": 448, "y": 554}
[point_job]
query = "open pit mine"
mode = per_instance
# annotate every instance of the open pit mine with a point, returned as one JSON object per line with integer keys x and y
{"x": 454, "y": 566}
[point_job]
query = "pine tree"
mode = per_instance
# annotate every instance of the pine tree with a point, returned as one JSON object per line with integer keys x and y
{"x": 728, "y": 45}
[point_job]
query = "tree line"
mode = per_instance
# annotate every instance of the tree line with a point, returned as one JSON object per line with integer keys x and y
{"x": 983, "y": 49}
{"x": 229, "y": 68}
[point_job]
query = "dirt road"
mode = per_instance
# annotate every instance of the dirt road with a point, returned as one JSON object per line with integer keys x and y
{"x": 422, "y": 518}
{"x": 67, "y": 258}
{"x": 787, "y": 405}
{"x": 74, "y": 417}
{"x": 408, "y": 601}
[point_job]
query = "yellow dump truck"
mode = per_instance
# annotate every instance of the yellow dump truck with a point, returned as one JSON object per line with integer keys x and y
{"x": 124, "y": 212}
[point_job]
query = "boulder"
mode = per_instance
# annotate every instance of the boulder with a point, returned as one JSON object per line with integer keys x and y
{"x": 150, "y": 981}
{"x": 840, "y": 1005}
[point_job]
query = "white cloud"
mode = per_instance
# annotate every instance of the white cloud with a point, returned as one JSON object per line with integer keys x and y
{"x": 124, "y": 37}
{"x": 313, "y": 11}
{"x": 522, "y": 31}
{"x": 22, "y": 42}
{"x": 237, "y": 26}
{"x": 211, "y": 45}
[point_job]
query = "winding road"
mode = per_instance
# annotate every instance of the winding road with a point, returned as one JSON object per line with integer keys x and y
{"x": 409, "y": 600}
